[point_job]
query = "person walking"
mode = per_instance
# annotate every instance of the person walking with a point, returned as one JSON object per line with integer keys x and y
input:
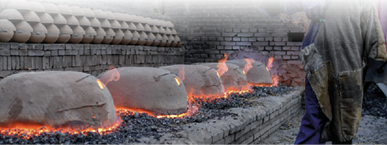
{"x": 342, "y": 35}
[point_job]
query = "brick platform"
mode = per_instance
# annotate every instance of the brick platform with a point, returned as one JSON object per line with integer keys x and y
{"x": 251, "y": 126}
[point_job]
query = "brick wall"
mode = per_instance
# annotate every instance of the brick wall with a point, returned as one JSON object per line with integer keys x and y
{"x": 90, "y": 58}
{"x": 211, "y": 28}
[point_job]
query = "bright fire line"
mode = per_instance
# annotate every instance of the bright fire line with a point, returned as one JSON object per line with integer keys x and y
{"x": 100, "y": 84}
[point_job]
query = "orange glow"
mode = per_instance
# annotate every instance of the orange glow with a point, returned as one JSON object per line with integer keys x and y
{"x": 248, "y": 65}
{"x": 128, "y": 111}
{"x": 222, "y": 67}
{"x": 275, "y": 80}
{"x": 270, "y": 63}
{"x": 177, "y": 81}
{"x": 26, "y": 131}
{"x": 261, "y": 85}
{"x": 100, "y": 84}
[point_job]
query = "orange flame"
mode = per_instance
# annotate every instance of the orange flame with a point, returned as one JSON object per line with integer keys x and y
{"x": 100, "y": 84}
{"x": 275, "y": 80}
{"x": 222, "y": 67}
{"x": 177, "y": 81}
{"x": 26, "y": 131}
{"x": 248, "y": 65}
{"x": 274, "y": 77}
{"x": 270, "y": 63}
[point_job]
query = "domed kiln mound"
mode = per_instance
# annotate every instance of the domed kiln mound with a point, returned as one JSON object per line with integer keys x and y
{"x": 55, "y": 99}
{"x": 199, "y": 81}
{"x": 233, "y": 79}
{"x": 149, "y": 89}
{"x": 258, "y": 74}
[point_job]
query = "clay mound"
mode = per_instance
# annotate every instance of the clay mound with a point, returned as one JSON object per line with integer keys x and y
{"x": 233, "y": 79}
{"x": 257, "y": 74}
{"x": 199, "y": 81}
{"x": 56, "y": 99}
{"x": 149, "y": 89}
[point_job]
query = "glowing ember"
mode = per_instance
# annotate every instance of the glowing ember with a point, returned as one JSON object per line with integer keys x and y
{"x": 222, "y": 67}
{"x": 177, "y": 81}
{"x": 127, "y": 111}
{"x": 248, "y": 65}
{"x": 261, "y": 85}
{"x": 26, "y": 131}
{"x": 100, "y": 84}
{"x": 267, "y": 69}
{"x": 218, "y": 74}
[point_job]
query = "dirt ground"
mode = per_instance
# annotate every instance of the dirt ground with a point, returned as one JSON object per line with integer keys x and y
{"x": 372, "y": 130}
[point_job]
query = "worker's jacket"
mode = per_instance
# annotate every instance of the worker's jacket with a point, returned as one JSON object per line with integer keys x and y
{"x": 343, "y": 34}
{"x": 348, "y": 34}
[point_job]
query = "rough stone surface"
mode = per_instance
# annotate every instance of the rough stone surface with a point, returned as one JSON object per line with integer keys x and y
{"x": 257, "y": 74}
{"x": 233, "y": 79}
{"x": 199, "y": 81}
{"x": 149, "y": 89}
{"x": 55, "y": 99}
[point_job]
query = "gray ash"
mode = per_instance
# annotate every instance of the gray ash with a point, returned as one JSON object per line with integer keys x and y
{"x": 135, "y": 126}
{"x": 374, "y": 102}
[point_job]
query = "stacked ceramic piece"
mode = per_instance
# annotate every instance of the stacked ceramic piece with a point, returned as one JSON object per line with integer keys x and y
{"x": 85, "y": 24}
{"x": 14, "y": 13}
{"x": 149, "y": 31}
{"x": 73, "y": 23}
{"x": 127, "y": 35}
{"x": 95, "y": 25}
{"x": 159, "y": 32}
{"x": 47, "y": 21}
{"x": 130, "y": 20}
{"x": 36, "y": 22}
{"x": 105, "y": 25}
{"x": 60, "y": 22}
{"x": 115, "y": 27}
{"x": 139, "y": 21}
{"x": 173, "y": 35}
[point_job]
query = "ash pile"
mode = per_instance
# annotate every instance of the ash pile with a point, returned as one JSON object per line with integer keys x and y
{"x": 138, "y": 125}
{"x": 374, "y": 102}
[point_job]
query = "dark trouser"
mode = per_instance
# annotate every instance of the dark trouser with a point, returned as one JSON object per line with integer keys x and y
{"x": 313, "y": 121}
